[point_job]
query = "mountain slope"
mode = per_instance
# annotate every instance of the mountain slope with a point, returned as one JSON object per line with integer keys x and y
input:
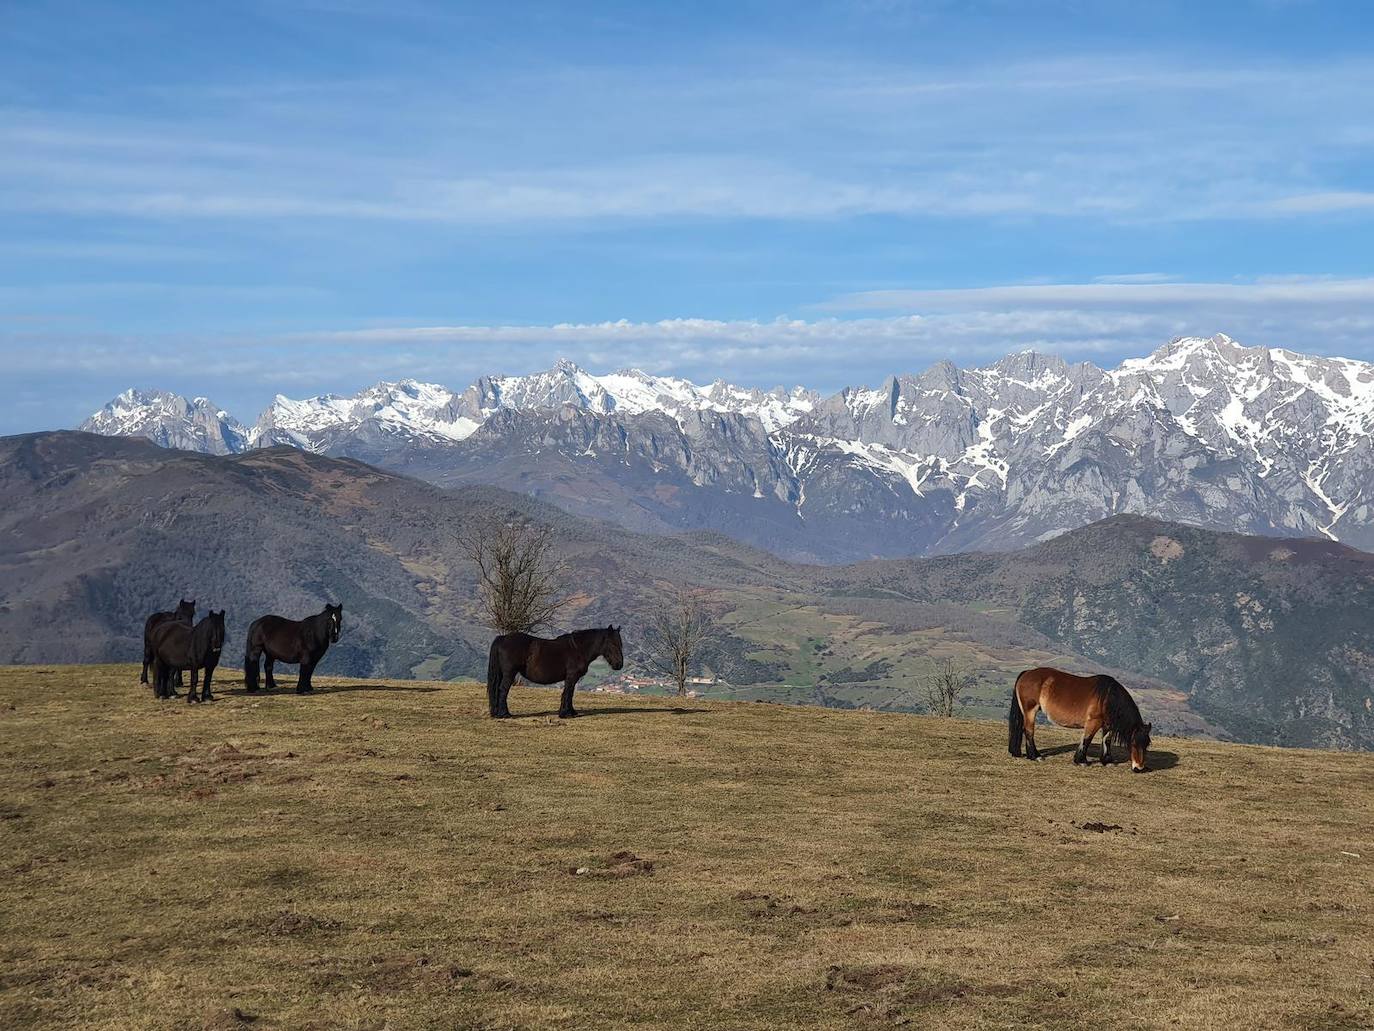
{"x": 1260, "y": 639}
{"x": 1203, "y": 431}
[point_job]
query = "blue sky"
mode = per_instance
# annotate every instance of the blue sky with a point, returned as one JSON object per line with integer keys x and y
{"x": 238, "y": 199}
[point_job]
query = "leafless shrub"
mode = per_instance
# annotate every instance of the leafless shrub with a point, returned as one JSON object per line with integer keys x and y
{"x": 944, "y": 687}
{"x": 675, "y": 633}
{"x": 519, "y": 577}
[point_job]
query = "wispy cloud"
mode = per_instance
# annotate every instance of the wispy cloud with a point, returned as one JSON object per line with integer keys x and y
{"x": 1116, "y": 293}
{"x": 1126, "y": 138}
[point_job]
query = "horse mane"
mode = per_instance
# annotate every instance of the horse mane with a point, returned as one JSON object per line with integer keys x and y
{"x": 590, "y": 635}
{"x": 1123, "y": 715}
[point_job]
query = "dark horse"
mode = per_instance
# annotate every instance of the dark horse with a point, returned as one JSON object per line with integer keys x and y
{"x": 1093, "y": 703}
{"x": 185, "y": 613}
{"x": 541, "y": 661}
{"x": 177, "y": 646}
{"x": 279, "y": 639}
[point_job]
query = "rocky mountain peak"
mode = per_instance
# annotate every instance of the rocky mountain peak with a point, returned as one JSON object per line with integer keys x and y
{"x": 1204, "y": 429}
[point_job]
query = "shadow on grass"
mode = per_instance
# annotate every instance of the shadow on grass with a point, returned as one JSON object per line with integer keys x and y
{"x": 1157, "y": 760}
{"x": 283, "y": 689}
{"x": 676, "y": 710}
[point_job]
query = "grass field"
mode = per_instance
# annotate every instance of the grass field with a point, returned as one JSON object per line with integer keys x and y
{"x": 381, "y": 856}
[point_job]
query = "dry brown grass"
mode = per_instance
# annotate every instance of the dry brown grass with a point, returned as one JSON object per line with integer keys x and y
{"x": 381, "y": 856}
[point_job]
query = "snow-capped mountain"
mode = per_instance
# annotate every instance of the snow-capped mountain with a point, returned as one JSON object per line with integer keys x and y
{"x": 424, "y": 411}
{"x": 195, "y": 424}
{"x": 1204, "y": 431}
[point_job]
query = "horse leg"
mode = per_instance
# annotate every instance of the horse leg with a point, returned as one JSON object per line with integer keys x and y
{"x": 303, "y": 685}
{"x": 205, "y": 695}
{"x": 163, "y": 683}
{"x": 1091, "y": 726}
{"x": 1106, "y": 746}
{"x": 503, "y": 695}
{"x": 191, "y": 695}
{"x": 251, "y": 661}
{"x": 1032, "y": 753}
{"x": 147, "y": 660}
{"x": 267, "y": 667}
{"x": 565, "y": 706}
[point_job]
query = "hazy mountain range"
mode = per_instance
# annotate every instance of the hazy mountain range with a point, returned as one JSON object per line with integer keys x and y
{"x": 1203, "y": 431}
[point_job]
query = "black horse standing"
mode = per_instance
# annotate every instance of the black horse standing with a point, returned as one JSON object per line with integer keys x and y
{"x": 279, "y": 639}
{"x": 185, "y": 612}
{"x": 177, "y": 646}
{"x": 543, "y": 661}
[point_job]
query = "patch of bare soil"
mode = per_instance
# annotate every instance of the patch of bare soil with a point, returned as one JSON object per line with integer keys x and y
{"x": 223, "y": 763}
{"x": 616, "y": 865}
{"x": 406, "y": 971}
{"x": 886, "y": 993}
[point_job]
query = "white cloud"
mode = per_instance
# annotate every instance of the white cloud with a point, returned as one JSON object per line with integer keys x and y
{"x": 1125, "y": 138}
{"x": 1117, "y": 294}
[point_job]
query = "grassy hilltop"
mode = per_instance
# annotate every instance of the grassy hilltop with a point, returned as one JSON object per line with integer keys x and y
{"x": 381, "y": 856}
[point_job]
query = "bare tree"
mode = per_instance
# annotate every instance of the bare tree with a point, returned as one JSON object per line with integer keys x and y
{"x": 519, "y": 578}
{"x": 944, "y": 686}
{"x": 675, "y": 633}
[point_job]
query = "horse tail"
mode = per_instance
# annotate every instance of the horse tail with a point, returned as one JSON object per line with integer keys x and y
{"x": 1016, "y": 720}
{"x": 147, "y": 649}
{"x": 250, "y": 660}
{"x": 493, "y": 676}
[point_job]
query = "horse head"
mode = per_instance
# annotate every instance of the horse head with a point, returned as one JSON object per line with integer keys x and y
{"x": 614, "y": 650}
{"x": 216, "y": 621}
{"x": 1140, "y": 744}
{"x": 186, "y": 610}
{"x": 335, "y": 614}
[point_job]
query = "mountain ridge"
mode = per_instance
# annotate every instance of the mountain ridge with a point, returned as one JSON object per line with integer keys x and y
{"x": 1204, "y": 430}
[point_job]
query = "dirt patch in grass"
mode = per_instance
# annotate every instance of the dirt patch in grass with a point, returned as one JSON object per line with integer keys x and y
{"x": 614, "y": 866}
{"x": 891, "y": 993}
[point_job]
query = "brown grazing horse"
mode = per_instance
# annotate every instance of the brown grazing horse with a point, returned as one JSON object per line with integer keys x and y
{"x": 185, "y": 613}
{"x": 541, "y": 661}
{"x": 1093, "y": 703}
{"x": 177, "y": 646}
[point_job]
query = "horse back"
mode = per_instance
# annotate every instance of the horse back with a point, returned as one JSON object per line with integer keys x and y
{"x": 537, "y": 659}
{"x": 156, "y": 620}
{"x": 1067, "y": 699}
{"x": 170, "y": 641}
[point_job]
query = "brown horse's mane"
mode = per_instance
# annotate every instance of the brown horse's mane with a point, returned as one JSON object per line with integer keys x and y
{"x": 1123, "y": 715}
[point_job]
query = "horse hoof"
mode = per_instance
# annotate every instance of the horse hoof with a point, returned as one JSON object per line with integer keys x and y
{"x": 568, "y": 715}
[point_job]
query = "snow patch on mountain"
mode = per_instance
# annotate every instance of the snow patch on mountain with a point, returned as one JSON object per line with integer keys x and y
{"x": 1203, "y": 429}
